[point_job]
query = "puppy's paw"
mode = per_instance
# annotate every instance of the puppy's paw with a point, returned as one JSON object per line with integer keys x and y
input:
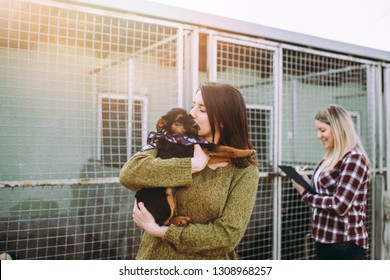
{"x": 179, "y": 221}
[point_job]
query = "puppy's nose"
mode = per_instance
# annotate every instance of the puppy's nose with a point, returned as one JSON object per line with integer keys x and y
{"x": 195, "y": 125}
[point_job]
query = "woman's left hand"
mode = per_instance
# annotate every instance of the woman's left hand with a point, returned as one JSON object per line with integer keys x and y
{"x": 298, "y": 187}
{"x": 144, "y": 219}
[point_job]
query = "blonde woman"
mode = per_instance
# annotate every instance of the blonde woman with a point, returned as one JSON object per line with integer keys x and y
{"x": 341, "y": 180}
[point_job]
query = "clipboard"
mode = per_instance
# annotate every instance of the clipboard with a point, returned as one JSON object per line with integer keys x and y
{"x": 293, "y": 174}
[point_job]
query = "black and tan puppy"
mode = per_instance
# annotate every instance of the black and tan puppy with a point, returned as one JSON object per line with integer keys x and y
{"x": 176, "y": 135}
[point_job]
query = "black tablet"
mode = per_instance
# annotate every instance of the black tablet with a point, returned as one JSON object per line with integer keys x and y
{"x": 293, "y": 174}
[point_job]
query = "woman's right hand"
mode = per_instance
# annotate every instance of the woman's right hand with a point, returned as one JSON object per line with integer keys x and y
{"x": 145, "y": 220}
{"x": 199, "y": 160}
{"x": 301, "y": 172}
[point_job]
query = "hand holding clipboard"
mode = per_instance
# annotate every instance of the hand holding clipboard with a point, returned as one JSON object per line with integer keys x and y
{"x": 293, "y": 174}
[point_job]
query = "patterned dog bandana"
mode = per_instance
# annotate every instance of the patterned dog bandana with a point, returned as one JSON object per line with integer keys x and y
{"x": 178, "y": 139}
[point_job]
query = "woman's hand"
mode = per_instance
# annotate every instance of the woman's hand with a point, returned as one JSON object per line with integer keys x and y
{"x": 301, "y": 171}
{"x": 297, "y": 186}
{"x": 144, "y": 219}
{"x": 199, "y": 160}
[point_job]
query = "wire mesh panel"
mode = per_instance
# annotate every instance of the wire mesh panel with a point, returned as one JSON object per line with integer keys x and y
{"x": 250, "y": 67}
{"x": 79, "y": 90}
{"x": 66, "y": 78}
{"x": 312, "y": 81}
{"x": 68, "y": 222}
{"x": 257, "y": 243}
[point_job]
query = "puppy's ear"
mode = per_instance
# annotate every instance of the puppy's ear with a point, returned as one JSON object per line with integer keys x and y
{"x": 161, "y": 123}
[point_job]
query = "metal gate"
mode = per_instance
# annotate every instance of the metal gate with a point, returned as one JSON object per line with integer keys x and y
{"x": 284, "y": 87}
{"x": 80, "y": 88}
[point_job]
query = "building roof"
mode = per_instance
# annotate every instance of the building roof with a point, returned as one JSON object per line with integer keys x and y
{"x": 161, "y": 11}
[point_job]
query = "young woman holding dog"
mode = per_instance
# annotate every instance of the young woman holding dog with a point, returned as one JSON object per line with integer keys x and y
{"x": 219, "y": 197}
{"x": 341, "y": 180}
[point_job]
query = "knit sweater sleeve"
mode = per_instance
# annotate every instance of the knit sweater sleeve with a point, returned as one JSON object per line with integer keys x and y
{"x": 145, "y": 169}
{"x": 223, "y": 234}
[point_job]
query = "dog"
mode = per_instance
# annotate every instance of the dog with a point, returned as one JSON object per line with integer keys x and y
{"x": 177, "y": 132}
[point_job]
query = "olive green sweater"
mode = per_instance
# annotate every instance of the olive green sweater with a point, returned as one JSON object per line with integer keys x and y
{"x": 219, "y": 203}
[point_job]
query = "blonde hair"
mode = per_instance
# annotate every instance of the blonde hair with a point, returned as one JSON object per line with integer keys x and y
{"x": 345, "y": 136}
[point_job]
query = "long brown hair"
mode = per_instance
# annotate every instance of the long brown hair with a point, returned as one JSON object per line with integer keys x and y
{"x": 226, "y": 110}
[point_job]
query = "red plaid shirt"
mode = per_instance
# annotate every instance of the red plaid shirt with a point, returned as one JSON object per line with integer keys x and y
{"x": 339, "y": 208}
